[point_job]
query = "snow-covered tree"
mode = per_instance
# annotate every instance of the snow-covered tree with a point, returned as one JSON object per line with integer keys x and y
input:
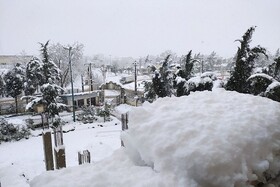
{"x": 188, "y": 66}
{"x": 14, "y": 81}
{"x": 60, "y": 56}
{"x": 50, "y": 93}
{"x": 166, "y": 78}
{"x": 2, "y": 86}
{"x": 158, "y": 85}
{"x": 180, "y": 86}
{"x": 277, "y": 53}
{"x": 244, "y": 63}
{"x": 50, "y": 71}
{"x": 149, "y": 92}
{"x": 276, "y": 73}
{"x": 33, "y": 76}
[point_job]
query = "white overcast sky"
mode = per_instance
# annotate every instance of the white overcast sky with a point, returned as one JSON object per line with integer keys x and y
{"x": 138, "y": 27}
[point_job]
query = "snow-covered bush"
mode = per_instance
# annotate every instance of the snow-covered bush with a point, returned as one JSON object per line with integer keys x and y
{"x": 87, "y": 115}
{"x": 264, "y": 85}
{"x": 104, "y": 112}
{"x": 199, "y": 84}
{"x": 9, "y": 132}
{"x": 273, "y": 91}
{"x": 258, "y": 83}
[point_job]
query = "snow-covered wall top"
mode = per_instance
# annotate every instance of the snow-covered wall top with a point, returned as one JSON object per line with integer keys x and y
{"x": 206, "y": 139}
{"x": 218, "y": 138}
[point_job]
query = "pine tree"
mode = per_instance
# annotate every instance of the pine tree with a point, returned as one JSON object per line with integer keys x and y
{"x": 49, "y": 88}
{"x": 14, "y": 80}
{"x": 48, "y": 75}
{"x": 51, "y": 72}
{"x": 33, "y": 76}
{"x": 244, "y": 63}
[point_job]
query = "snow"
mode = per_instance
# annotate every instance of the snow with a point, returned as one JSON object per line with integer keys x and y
{"x": 261, "y": 75}
{"x": 21, "y": 161}
{"x": 272, "y": 86}
{"x": 199, "y": 80}
{"x": 111, "y": 93}
{"x": 218, "y": 138}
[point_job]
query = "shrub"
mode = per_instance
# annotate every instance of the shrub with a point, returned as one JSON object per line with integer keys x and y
{"x": 9, "y": 132}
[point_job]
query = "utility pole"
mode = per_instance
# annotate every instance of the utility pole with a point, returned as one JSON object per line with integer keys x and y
{"x": 135, "y": 78}
{"x": 135, "y": 83}
{"x": 91, "y": 83}
{"x": 72, "y": 89}
{"x": 83, "y": 86}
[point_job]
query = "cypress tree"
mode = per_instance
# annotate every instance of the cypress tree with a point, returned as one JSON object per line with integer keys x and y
{"x": 244, "y": 63}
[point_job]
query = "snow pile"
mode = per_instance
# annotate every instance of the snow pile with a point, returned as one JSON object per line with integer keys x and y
{"x": 219, "y": 138}
{"x": 208, "y": 138}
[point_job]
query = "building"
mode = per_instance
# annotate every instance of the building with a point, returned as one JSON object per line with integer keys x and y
{"x": 81, "y": 99}
{"x": 8, "y": 61}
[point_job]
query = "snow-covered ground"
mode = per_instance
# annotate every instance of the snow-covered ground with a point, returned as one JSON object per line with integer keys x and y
{"x": 217, "y": 138}
{"x": 206, "y": 139}
{"x": 21, "y": 161}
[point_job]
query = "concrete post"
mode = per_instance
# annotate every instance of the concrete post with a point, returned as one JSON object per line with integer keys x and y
{"x": 59, "y": 150}
{"x": 47, "y": 141}
{"x": 124, "y": 120}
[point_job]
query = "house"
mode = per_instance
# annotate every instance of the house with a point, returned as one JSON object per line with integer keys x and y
{"x": 81, "y": 99}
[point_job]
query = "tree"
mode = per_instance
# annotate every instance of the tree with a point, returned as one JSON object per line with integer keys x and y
{"x": 2, "y": 86}
{"x": 33, "y": 76}
{"x": 14, "y": 80}
{"x": 158, "y": 85}
{"x": 166, "y": 78}
{"x": 51, "y": 73}
{"x": 276, "y": 73}
{"x": 60, "y": 56}
{"x": 149, "y": 92}
{"x": 277, "y": 53}
{"x": 244, "y": 63}
{"x": 188, "y": 67}
{"x": 49, "y": 89}
{"x": 210, "y": 62}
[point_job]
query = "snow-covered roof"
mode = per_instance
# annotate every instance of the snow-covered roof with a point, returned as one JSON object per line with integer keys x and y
{"x": 111, "y": 93}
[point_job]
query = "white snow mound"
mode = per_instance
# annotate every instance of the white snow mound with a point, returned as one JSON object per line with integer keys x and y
{"x": 206, "y": 139}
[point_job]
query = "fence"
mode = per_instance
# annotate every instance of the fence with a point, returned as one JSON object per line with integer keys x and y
{"x": 84, "y": 157}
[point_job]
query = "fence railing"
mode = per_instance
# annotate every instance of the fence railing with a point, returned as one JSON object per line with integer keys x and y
{"x": 84, "y": 157}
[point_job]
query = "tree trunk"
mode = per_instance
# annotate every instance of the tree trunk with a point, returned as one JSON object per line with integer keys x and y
{"x": 16, "y": 101}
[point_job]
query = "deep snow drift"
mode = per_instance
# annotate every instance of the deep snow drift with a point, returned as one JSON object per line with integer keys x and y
{"x": 206, "y": 139}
